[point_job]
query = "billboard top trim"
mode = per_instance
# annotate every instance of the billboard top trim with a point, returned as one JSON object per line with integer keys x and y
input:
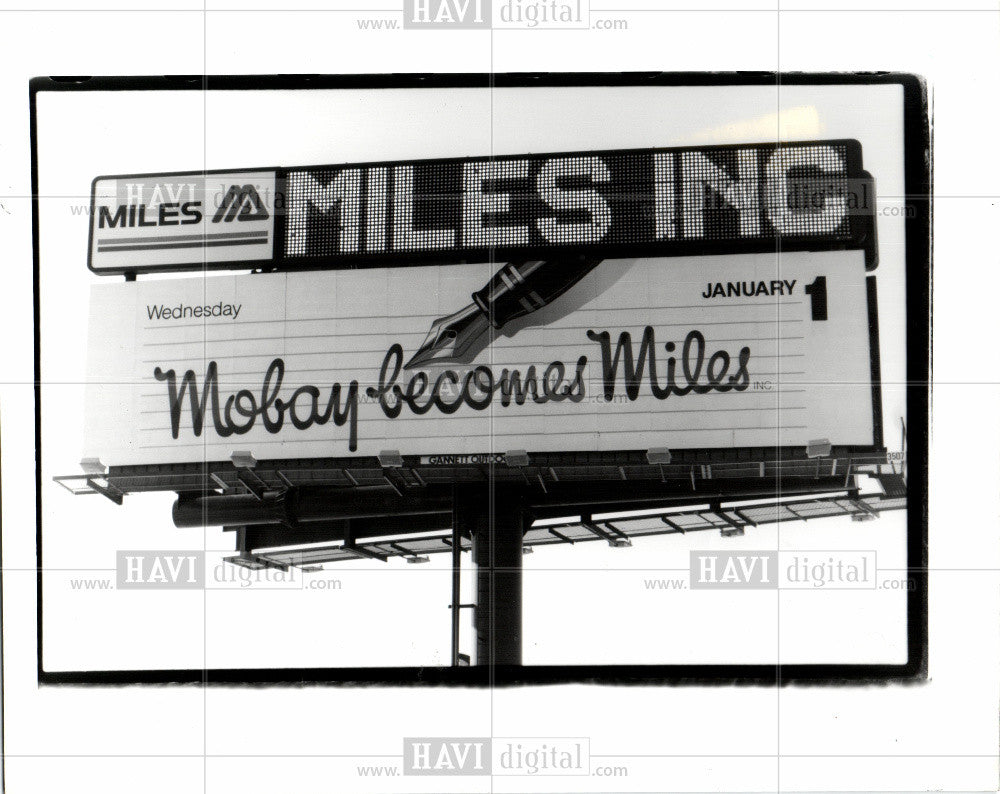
{"x": 854, "y": 146}
{"x": 755, "y": 197}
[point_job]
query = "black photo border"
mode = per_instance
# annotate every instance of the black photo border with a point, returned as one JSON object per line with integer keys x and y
{"x": 917, "y": 175}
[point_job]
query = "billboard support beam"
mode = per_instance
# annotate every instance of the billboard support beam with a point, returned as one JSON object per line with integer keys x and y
{"x": 268, "y": 535}
{"x": 360, "y": 551}
{"x": 498, "y": 553}
{"x": 457, "y": 517}
{"x": 109, "y": 491}
{"x": 304, "y": 505}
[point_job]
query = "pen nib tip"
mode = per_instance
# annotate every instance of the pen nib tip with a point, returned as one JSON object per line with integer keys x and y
{"x": 450, "y": 338}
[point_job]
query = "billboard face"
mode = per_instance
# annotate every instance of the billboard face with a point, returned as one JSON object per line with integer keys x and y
{"x": 737, "y": 351}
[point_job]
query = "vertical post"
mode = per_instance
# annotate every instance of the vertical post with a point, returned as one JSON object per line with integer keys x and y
{"x": 456, "y": 576}
{"x": 497, "y": 547}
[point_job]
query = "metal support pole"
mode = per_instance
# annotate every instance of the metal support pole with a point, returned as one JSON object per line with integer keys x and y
{"x": 456, "y": 578}
{"x": 497, "y": 547}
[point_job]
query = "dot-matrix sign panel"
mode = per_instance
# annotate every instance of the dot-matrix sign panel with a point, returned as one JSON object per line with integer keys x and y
{"x": 608, "y": 203}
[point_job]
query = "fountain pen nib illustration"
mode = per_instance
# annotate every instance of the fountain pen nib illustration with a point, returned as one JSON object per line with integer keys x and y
{"x": 451, "y": 337}
{"x": 516, "y": 289}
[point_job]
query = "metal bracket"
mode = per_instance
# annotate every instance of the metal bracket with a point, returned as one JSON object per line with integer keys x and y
{"x": 66, "y": 480}
{"x": 255, "y": 562}
{"x": 391, "y": 462}
{"x": 561, "y": 536}
{"x": 660, "y": 455}
{"x": 673, "y": 525}
{"x": 225, "y": 487}
{"x": 109, "y": 491}
{"x": 615, "y": 538}
{"x": 253, "y": 483}
{"x": 818, "y": 448}
{"x": 865, "y": 509}
{"x": 243, "y": 459}
{"x": 733, "y": 530}
{"x": 390, "y": 459}
{"x": 516, "y": 457}
{"x": 361, "y": 551}
{"x": 592, "y": 527}
{"x": 93, "y": 466}
{"x": 410, "y": 556}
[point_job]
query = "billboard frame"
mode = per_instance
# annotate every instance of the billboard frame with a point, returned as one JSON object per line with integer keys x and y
{"x": 691, "y": 456}
{"x": 918, "y": 269}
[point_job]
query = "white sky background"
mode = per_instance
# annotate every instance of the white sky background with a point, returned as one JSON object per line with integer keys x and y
{"x": 394, "y": 614}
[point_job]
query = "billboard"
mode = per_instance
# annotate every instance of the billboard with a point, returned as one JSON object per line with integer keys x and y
{"x": 670, "y": 326}
{"x": 748, "y": 350}
{"x": 706, "y": 297}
